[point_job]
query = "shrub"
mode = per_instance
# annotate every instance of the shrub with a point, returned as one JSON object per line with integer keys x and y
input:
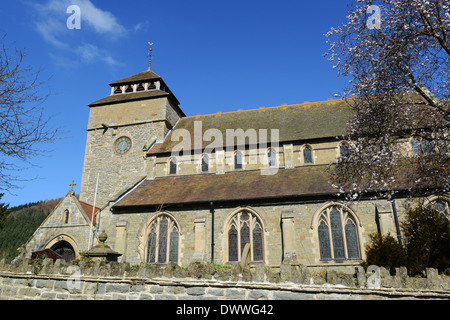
{"x": 384, "y": 251}
{"x": 427, "y": 242}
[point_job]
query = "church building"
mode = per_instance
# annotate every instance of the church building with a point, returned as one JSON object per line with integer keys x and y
{"x": 222, "y": 187}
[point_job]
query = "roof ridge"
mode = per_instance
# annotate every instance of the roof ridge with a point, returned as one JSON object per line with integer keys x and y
{"x": 265, "y": 108}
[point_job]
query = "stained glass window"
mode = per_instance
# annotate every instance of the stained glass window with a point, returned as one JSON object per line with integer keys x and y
{"x": 340, "y": 223}
{"x": 352, "y": 240}
{"x": 163, "y": 241}
{"x": 232, "y": 244}
{"x": 336, "y": 234}
{"x": 257, "y": 243}
{"x": 324, "y": 242}
{"x": 245, "y": 236}
{"x": 151, "y": 247}
{"x": 441, "y": 205}
{"x": 307, "y": 155}
{"x": 245, "y": 228}
{"x": 173, "y": 252}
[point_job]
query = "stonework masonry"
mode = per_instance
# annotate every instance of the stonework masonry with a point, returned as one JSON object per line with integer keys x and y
{"x": 143, "y": 122}
{"x": 234, "y": 210}
{"x": 97, "y": 280}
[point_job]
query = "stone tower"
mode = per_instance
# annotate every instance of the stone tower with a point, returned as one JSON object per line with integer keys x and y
{"x": 121, "y": 128}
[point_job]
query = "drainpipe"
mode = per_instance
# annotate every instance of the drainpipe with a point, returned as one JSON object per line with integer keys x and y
{"x": 397, "y": 226}
{"x": 212, "y": 230}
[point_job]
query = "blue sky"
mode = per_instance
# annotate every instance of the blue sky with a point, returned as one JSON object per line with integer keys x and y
{"x": 213, "y": 55}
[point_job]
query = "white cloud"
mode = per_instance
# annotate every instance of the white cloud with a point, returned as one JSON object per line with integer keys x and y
{"x": 53, "y": 13}
{"x": 141, "y": 26}
{"x": 90, "y": 53}
{"x": 51, "y": 23}
{"x": 102, "y": 21}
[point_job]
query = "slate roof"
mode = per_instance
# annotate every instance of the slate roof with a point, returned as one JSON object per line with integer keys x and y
{"x": 305, "y": 121}
{"x": 231, "y": 186}
{"x": 304, "y": 182}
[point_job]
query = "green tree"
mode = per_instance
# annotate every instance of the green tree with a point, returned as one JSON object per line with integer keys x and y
{"x": 384, "y": 251}
{"x": 4, "y": 211}
{"x": 427, "y": 241}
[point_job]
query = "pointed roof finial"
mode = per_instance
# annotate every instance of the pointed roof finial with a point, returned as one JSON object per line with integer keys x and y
{"x": 150, "y": 56}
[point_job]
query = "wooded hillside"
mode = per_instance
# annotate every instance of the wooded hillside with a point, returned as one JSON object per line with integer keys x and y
{"x": 20, "y": 225}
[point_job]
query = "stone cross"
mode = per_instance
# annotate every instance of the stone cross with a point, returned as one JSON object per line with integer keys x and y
{"x": 71, "y": 185}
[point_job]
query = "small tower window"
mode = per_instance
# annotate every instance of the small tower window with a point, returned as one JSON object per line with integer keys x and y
{"x": 129, "y": 89}
{"x": 118, "y": 90}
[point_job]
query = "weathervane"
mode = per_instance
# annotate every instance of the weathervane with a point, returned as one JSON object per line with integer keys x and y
{"x": 150, "y": 55}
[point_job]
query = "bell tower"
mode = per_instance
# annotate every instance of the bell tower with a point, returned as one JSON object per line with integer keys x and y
{"x": 121, "y": 126}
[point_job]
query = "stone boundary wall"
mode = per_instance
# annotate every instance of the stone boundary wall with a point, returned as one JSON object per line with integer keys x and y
{"x": 42, "y": 279}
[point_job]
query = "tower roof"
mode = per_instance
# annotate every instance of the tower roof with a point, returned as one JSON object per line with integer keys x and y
{"x": 143, "y": 85}
{"x": 139, "y": 77}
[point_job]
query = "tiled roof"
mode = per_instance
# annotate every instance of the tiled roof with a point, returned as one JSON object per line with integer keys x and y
{"x": 295, "y": 122}
{"x": 124, "y": 97}
{"x": 139, "y": 77}
{"x": 239, "y": 185}
{"x": 304, "y": 182}
{"x": 88, "y": 210}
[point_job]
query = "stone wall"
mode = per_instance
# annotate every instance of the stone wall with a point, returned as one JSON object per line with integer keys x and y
{"x": 42, "y": 279}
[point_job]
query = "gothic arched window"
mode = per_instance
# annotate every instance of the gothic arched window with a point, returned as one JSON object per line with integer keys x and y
{"x": 205, "y": 163}
{"x": 238, "y": 160}
{"x": 66, "y": 216}
{"x": 338, "y": 234}
{"x": 441, "y": 205}
{"x": 307, "y": 155}
{"x": 344, "y": 152}
{"x": 162, "y": 243}
{"x": 245, "y": 227}
{"x": 421, "y": 146}
{"x": 271, "y": 158}
{"x": 172, "y": 166}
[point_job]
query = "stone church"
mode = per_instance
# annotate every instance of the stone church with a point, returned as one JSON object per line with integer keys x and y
{"x": 224, "y": 187}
